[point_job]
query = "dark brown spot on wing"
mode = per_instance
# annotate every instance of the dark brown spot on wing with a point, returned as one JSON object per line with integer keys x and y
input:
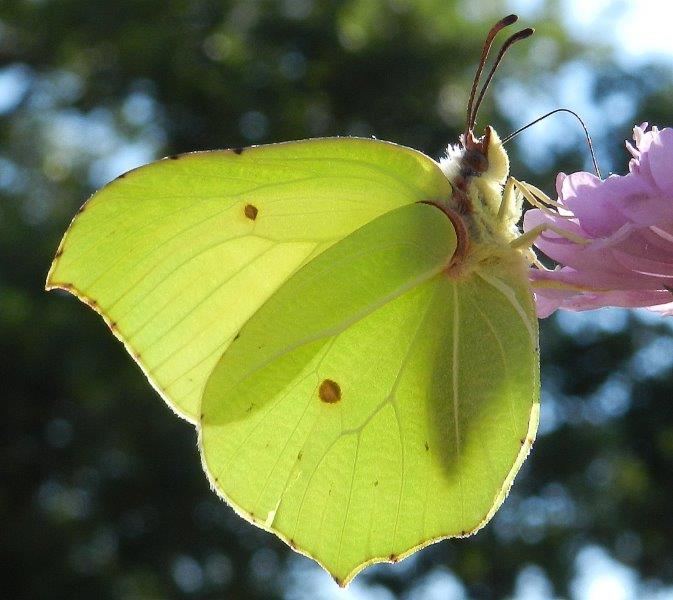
{"x": 329, "y": 391}
{"x": 174, "y": 156}
{"x": 251, "y": 211}
{"x": 237, "y": 150}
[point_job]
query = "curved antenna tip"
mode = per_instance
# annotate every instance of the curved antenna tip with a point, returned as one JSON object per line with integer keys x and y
{"x": 509, "y": 42}
{"x": 501, "y": 24}
{"x": 553, "y": 112}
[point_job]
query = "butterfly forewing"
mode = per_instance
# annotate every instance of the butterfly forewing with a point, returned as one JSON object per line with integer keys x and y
{"x": 177, "y": 255}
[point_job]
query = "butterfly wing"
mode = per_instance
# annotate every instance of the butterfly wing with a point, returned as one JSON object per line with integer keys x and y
{"x": 374, "y": 405}
{"x": 178, "y": 254}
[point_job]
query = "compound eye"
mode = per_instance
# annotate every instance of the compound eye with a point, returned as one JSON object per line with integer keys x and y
{"x": 476, "y": 161}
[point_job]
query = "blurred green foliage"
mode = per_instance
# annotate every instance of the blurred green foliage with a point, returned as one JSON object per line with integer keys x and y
{"x": 102, "y": 493}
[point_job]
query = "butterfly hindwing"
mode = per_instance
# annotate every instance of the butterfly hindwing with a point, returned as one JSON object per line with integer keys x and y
{"x": 374, "y": 404}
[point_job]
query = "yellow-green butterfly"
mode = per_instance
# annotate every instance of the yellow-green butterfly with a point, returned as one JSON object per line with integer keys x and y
{"x": 347, "y": 322}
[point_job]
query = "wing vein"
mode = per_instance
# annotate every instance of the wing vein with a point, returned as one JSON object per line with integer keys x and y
{"x": 392, "y": 398}
{"x": 502, "y": 354}
{"x": 455, "y": 367}
{"x": 346, "y": 322}
{"x": 196, "y": 333}
{"x": 510, "y": 295}
{"x": 350, "y": 498}
{"x": 455, "y": 387}
{"x": 172, "y": 298}
{"x": 260, "y": 422}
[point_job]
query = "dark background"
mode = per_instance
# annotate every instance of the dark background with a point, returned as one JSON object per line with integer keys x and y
{"x": 101, "y": 490}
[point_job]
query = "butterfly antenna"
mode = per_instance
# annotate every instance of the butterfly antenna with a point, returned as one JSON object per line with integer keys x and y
{"x": 549, "y": 114}
{"x": 509, "y": 42}
{"x": 501, "y": 24}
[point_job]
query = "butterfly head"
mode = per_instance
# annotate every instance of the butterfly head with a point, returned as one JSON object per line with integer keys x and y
{"x": 484, "y": 158}
{"x": 478, "y": 167}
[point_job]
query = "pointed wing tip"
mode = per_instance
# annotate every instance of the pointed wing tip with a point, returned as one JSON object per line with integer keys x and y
{"x": 52, "y": 284}
{"x": 344, "y": 581}
{"x": 49, "y": 283}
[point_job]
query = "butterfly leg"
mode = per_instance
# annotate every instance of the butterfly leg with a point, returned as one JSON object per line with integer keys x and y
{"x": 540, "y": 200}
{"x": 528, "y": 238}
{"x": 508, "y": 198}
{"x": 537, "y": 198}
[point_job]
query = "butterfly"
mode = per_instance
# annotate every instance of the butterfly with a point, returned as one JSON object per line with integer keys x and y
{"x": 347, "y": 322}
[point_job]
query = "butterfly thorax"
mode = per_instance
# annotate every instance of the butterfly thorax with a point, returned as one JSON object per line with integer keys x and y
{"x": 478, "y": 169}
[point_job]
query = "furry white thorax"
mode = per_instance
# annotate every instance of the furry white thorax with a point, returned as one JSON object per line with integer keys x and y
{"x": 494, "y": 217}
{"x": 450, "y": 163}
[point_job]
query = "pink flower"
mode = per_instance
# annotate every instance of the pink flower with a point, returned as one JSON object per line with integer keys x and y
{"x": 621, "y": 251}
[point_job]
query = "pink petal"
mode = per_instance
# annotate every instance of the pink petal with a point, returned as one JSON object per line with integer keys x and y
{"x": 624, "y": 254}
{"x": 644, "y": 207}
{"x": 592, "y": 202}
{"x": 643, "y": 265}
{"x": 560, "y": 178}
{"x": 661, "y": 160}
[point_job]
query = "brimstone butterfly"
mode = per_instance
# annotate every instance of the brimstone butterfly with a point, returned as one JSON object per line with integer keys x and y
{"x": 347, "y": 322}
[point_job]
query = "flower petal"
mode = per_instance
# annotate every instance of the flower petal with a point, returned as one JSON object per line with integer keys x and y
{"x": 618, "y": 247}
{"x": 661, "y": 160}
{"x": 646, "y": 266}
{"x": 592, "y": 202}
